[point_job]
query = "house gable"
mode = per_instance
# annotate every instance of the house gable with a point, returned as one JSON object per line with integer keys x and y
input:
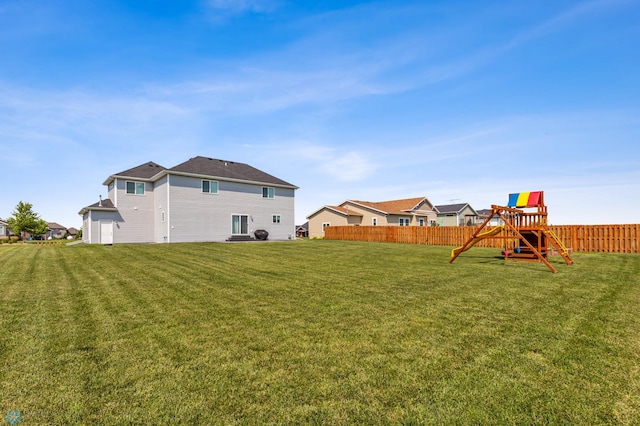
{"x": 456, "y": 214}
{"x": 144, "y": 172}
{"x": 331, "y": 216}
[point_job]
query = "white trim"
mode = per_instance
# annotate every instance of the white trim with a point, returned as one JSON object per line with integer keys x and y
{"x": 268, "y": 188}
{"x": 220, "y": 178}
{"x": 324, "y": 225}
{"x": 210, "y": 182}
{"x": 115, "y": 192}
{"x": 168, "y": 208}
{"x": 240, "y": 215}
{"x": 136, "y": 182}
{"x": 89, "y": 220}
{"x": 106, "y": 222}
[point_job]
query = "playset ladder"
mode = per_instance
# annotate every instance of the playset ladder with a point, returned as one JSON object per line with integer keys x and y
{"x": 559, "y": 246}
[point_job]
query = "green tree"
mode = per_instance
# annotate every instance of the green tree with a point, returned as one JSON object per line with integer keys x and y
{"x": 40, "y": 227}
{"x": 23, "y": 219}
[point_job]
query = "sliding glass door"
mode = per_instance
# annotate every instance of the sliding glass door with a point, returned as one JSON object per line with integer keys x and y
{"x": 239, "y": 224}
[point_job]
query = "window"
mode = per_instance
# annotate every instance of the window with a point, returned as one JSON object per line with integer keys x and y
{"x": 268, "y": 192}
{"x": 2, "y": 231}
{"x": 421, "y": 221}
{"x": 324, "y": 225}
{"x": 210, "y": 186}
{"x": 374, "y": 221}
{"x": 136, "y": 188}
{"x": 403, "y": 221}
{"x": 239, "y": 224}
{"x": 276, "y": 218}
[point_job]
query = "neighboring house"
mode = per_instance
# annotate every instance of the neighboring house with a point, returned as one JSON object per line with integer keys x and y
{"x": 202, "y": 199}
{"x": 4, "y": 229}
{"x": 406, "y": 212}
{"x": 55, "y": 230}
{"x": 302, "y": 231}
{"x": 73, "y": 232}
{"x": 483, "y": 214}
{"x": 456, "y": 215}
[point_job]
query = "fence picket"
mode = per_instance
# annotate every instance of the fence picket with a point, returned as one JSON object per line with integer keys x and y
{"x": 596, "y": 238}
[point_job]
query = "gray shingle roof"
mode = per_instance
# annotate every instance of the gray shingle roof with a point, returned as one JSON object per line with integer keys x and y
{"x": 106, "y": 203}
{"x": 143, "y": 171}
{"x": 450, "y": 208}
{"x": 227, "y": 169}
{"x": 102, "y": 204}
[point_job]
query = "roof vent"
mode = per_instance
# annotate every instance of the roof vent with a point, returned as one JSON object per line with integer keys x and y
{"x": 100, "y": 202}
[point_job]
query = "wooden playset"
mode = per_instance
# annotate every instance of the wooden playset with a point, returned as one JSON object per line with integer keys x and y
{"x": 526, "y": 234}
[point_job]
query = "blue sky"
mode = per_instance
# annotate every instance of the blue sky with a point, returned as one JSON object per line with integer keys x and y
{"x": 458, "y": 101}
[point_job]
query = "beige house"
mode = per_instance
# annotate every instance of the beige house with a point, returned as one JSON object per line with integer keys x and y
{"x": 406, "y": 212}
{"x": 456, "y": 215}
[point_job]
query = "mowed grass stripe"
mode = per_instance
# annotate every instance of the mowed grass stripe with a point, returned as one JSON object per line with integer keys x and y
{"x": 320, "y": 332}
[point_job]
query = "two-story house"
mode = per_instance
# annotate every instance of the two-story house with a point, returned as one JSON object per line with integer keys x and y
{"x": 202, "y": 199}
{"x": 405, "y": 212}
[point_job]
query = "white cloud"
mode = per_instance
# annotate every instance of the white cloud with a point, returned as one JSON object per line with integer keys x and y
{"x": 261, "y": 89}
{"x": 46, "y": 123}
{"x": 349, "y": 167}
{"x": 332, "y": 162}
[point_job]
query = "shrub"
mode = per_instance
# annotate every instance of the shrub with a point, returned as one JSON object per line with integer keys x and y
{"x": 4, "y": 240}
{"x": 14, "y": 239}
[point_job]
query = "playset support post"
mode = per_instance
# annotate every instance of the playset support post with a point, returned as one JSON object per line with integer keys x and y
{"x": 528, "y": 229}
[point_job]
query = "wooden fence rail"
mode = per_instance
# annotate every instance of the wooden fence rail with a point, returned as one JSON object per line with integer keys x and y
{"x": 595, "y": 238}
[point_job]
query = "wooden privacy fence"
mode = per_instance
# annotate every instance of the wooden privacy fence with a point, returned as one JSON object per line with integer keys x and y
{"x": 598, "y": 238}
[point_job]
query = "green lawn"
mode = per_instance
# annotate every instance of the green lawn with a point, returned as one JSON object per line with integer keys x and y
{"x": 316, "y": 332}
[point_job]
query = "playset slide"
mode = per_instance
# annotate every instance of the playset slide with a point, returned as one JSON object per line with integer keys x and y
{"x": 477, "y": 238}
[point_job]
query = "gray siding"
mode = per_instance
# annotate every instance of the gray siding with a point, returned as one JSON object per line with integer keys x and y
{"x": 197, "y": 216}
{"x": 86, "y": 228}
{"x": 111, "y": 193}
{"x": 91, "y": 225}
{"x": 161, "y": 211}
{"x": 138, "y": 215}
{"x": 189, "y": 214}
